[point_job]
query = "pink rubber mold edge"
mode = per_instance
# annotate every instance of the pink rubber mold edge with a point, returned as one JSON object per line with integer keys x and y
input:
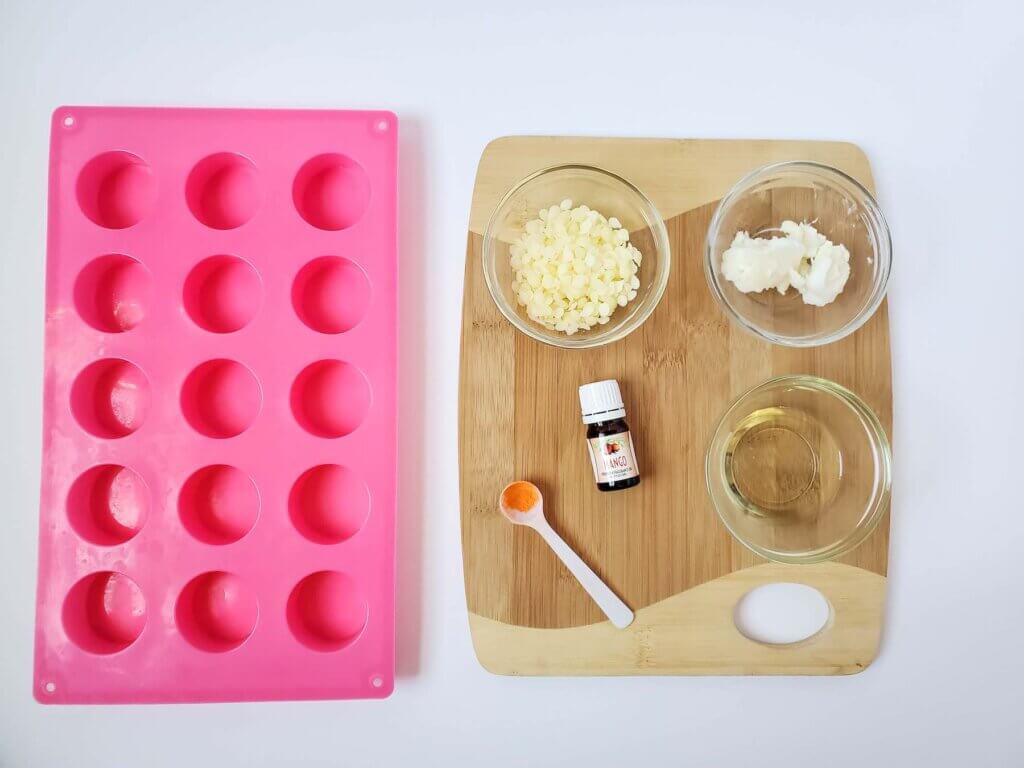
{"x": 218, "y": 500}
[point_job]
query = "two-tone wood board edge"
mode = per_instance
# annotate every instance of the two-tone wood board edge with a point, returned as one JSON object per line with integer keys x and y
{"x": 660, "y": 546}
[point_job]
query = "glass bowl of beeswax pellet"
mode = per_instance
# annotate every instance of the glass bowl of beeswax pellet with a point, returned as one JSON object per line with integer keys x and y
{"x": 576, "y": 256}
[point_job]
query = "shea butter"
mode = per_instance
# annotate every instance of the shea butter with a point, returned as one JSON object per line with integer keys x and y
{"x": 802, "y": 258}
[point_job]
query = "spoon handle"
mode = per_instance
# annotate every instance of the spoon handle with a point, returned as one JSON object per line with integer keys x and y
{"x": 616, "y": 610}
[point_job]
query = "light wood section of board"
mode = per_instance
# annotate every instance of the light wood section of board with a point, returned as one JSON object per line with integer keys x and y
{"x": 693, "y": 633}
{"x": 519, "y": 419}
{"x": 676, "y": 174}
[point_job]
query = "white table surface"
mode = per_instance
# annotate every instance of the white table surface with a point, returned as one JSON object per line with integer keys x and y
{"x": 932, "y": 92}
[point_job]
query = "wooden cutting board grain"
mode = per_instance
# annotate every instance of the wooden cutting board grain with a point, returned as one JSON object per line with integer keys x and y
{"x": 659, "y": 546}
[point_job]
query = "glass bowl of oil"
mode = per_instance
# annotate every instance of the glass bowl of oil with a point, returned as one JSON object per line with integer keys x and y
{"x": 799, "y": 470}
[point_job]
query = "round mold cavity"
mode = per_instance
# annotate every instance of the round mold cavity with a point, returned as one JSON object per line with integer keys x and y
{"x": 221, "y": 398}
{"x": 219, "y": 504}
{"x": 116, "y": 190}
{"x": 329, "y": 504}
{"x": 108, "y": 505}
{"x": 326, "y": 611}
{"x": 331, "y": 192}
{"x": 331, "y": 294}
{"x": 104, "y": 612}
{"x": 224, "y": 190}
{"x": 782, "y": 613}
{"x": 330, "y": 398}
{"x": 223, "y": 293}
{"x": 112, "y": 292}
{"x": 110, "y": 398}
{"x": 216, "y": 611}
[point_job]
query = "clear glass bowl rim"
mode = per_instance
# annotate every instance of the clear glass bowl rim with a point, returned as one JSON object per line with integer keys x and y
{"x": 884, "y": 255}
{"x": 880, "y": 442}
{"x": 658, "y": 232}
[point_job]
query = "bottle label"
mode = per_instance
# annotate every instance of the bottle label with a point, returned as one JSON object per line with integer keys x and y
{"x": 613, "y": 457}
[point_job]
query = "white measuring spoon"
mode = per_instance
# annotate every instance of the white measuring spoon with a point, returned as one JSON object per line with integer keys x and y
{"x": 522, "y": 503}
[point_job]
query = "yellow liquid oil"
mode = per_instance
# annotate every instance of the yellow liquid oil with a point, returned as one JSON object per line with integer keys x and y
{"x": 783, "y": 465}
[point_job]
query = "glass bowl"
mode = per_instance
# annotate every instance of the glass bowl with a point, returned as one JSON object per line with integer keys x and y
{"x": 602, "y": 191}
{"x": 799, "y": 470}
{"x": 841, "y": 209}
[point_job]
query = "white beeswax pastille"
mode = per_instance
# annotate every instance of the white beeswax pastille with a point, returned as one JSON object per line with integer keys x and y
{"x": 573, "y": 268}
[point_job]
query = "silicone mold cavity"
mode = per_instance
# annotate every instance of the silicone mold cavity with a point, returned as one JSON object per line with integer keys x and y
{"x": 224, "y": 190}
{"x": 326, "y": 611}
{"x": 112, "y": 292}
{"x": 330, "y": 398}
{"x": 331, "y": 191}
{"x": 108, "y": 505}
{"x": 219, "y": 504}
{"x": 104, "y": 613}
{"x": 216, "y": 611}
{"x": 110, "y": 398}
{"x": 221, "y": 398}
{"x": 222, "y": 294}
{"x": 329, "y": 504}
{"x": 116, "y": 190}
{"x": 331, "y": 294}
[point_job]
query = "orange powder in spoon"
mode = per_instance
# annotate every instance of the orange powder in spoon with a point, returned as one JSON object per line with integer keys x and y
{"x": 520, "y": 496}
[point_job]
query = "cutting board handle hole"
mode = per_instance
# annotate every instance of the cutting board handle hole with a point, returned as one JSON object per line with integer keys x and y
{"x": 782, "y": 613}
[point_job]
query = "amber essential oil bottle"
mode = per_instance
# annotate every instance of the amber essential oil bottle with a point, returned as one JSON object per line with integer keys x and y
{"x": 608, "y": 439}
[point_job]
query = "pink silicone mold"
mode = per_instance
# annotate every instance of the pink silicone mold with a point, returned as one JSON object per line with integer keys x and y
{"x": 217, "y": 513}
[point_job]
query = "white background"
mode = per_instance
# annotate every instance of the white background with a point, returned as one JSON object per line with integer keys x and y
{"x": 931, "y": 91}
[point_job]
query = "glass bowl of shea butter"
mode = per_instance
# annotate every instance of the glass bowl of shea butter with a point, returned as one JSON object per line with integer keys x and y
{"x": 575, "y": 256}
{"x": 798, "y": 253}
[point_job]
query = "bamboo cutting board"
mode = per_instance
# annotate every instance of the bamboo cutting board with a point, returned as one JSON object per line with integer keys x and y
{"x": 659, "y": 546}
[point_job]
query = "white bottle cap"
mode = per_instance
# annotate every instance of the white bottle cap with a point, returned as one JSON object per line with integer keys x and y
{"x": 601, "y": 401}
